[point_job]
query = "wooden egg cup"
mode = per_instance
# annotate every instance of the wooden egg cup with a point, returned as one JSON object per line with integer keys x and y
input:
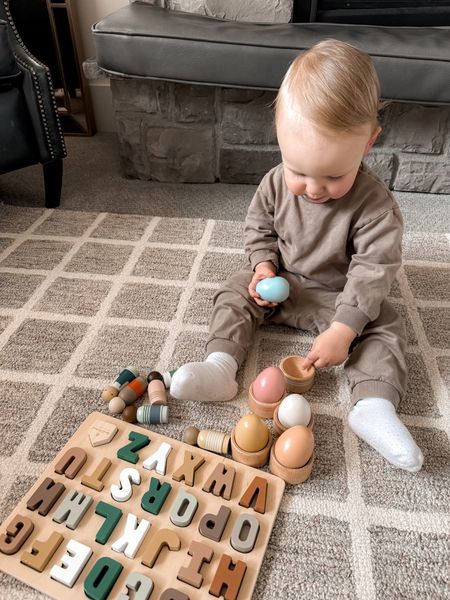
{"x": 262, "y": 409}
{"x": 280, "y": 428}
{"x": 298, "y": 380}
{"x": 251, "y": 459}
{"x": 288, "y": 474}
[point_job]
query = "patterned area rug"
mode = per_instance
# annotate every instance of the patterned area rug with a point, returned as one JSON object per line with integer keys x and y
{"x": 84, "y": 294}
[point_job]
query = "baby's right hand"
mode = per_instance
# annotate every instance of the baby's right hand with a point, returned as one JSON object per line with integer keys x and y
{"x": 262, "y": 271}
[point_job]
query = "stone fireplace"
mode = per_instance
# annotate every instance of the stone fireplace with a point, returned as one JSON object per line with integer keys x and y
{"x": 197, "y": 133}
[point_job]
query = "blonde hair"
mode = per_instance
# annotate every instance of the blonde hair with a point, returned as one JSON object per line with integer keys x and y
{"x": 334, "y": 85}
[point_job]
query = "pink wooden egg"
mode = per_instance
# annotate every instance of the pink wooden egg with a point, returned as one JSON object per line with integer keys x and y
{"x": 269, "y": 386}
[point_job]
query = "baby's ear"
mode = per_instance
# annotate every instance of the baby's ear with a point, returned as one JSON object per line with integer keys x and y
{"x": 373, "y": 138}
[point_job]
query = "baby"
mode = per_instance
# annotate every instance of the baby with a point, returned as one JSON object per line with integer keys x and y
{"x": 326, "y": 223}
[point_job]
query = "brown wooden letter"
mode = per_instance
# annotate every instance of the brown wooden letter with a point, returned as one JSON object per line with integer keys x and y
{"x": 162, "y": 537}
{"x": 191, "y": 574}
{"x": 45, "y": 496}
{"x": 94, "y": 481}
{"x": 229, "y": 575}
{"x": 187, "y": 470}
{"x": 256, "y": 492}
{"x": 41, "y": 552}
{"x": 171, "y": 594}
{"x": 221, "y": 481}
{"x": 212, "y": 526}
{"x": 71, "y": 462}
{"x": 17, "y": 532}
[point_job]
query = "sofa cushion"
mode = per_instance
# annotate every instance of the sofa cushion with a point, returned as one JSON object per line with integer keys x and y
{"x": 141, "y": 40}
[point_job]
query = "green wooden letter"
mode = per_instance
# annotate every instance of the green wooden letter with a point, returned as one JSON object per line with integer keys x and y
{"x": 153, "y": 500}
{"x": 112, "y": 515}
{"x": 101, "y": 578}
{"x": 128, "y": 452}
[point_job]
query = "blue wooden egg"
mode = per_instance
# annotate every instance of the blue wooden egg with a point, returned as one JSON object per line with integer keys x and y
{"x": 273, "y": 289}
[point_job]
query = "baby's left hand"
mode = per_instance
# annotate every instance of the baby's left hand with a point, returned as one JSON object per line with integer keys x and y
{"x": 331, "y": 347}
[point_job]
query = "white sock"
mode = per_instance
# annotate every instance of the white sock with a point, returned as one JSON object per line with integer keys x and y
{"x": 375, "y": 420}
{"x": 213, "y": 380}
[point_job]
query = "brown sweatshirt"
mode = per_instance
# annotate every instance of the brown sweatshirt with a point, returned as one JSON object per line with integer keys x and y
{"x": 351, "y": 245}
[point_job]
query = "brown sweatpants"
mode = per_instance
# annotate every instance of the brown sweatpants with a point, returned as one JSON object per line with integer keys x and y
{"x": 376, "y": 363}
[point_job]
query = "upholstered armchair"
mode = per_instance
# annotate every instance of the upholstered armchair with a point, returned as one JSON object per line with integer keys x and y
{"x": 30, "y": 131}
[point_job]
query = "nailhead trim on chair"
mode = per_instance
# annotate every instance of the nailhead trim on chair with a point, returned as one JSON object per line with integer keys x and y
{"x": 38, "y": 87}
{"x": 40, "y": 103}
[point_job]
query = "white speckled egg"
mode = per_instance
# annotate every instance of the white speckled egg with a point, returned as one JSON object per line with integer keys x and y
{"x": 294, "y": 410}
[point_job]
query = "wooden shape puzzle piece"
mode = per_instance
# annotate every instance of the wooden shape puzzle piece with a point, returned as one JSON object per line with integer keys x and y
{"x": 18, "y": 531}
{"x": 162, "y": 538}
{"x": 257, "y": 493}
{"x": 45, "y": 496}
{"x": 128, "y": 452}
{"x": 72, "y": 508}
{"x": 94, "y": 481}
{"x": 245, "y": 533}
{"x": 228, "y": 575}
{"x": 71, "y": 462}
{"x": 187, "y": 470}
{"x": 124, "y": 491}
{"x": 183, "y": 509}
{"x": 41, "y": 552}
{"x": 101, "y": 432}
{"x": 112, "y": 516}
{"x": 158, "y": 460}
{"x": 101, "y": 578}
{"x": 212, "y": 526}
{"x": 140, "y": 584}
{"x": 191, "y": 574}
{"x": 73, "y": 562}
{"x": 132, "y": 537}
{"x": 153, "y": 500}
{"x": 220, "y": 482}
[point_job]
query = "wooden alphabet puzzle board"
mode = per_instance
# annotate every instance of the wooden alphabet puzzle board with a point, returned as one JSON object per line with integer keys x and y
{"x": 141, "y": 533}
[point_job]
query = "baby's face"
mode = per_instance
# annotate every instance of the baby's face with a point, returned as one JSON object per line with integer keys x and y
{"x": 321, "y": 165}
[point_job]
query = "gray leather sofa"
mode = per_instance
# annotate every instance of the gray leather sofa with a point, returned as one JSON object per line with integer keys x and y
{"x": 144, "y": 41}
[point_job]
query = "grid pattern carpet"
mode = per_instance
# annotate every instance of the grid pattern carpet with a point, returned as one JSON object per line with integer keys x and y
{"x": 84, "y": 294}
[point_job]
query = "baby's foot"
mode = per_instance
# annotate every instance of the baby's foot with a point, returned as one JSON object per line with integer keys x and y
{"x": 213, "y": 380}
{"x": 376, "y": 422}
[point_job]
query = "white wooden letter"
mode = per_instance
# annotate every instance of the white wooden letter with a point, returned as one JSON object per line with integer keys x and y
{"x": 132, "y": 536}
{"x": 123, "y": 492}
{"x": 158, "y": 459}
{"x": 73, "y": 562}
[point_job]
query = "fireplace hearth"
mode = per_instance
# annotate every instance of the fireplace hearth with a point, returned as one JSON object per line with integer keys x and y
{"x": 221, "y": 129}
